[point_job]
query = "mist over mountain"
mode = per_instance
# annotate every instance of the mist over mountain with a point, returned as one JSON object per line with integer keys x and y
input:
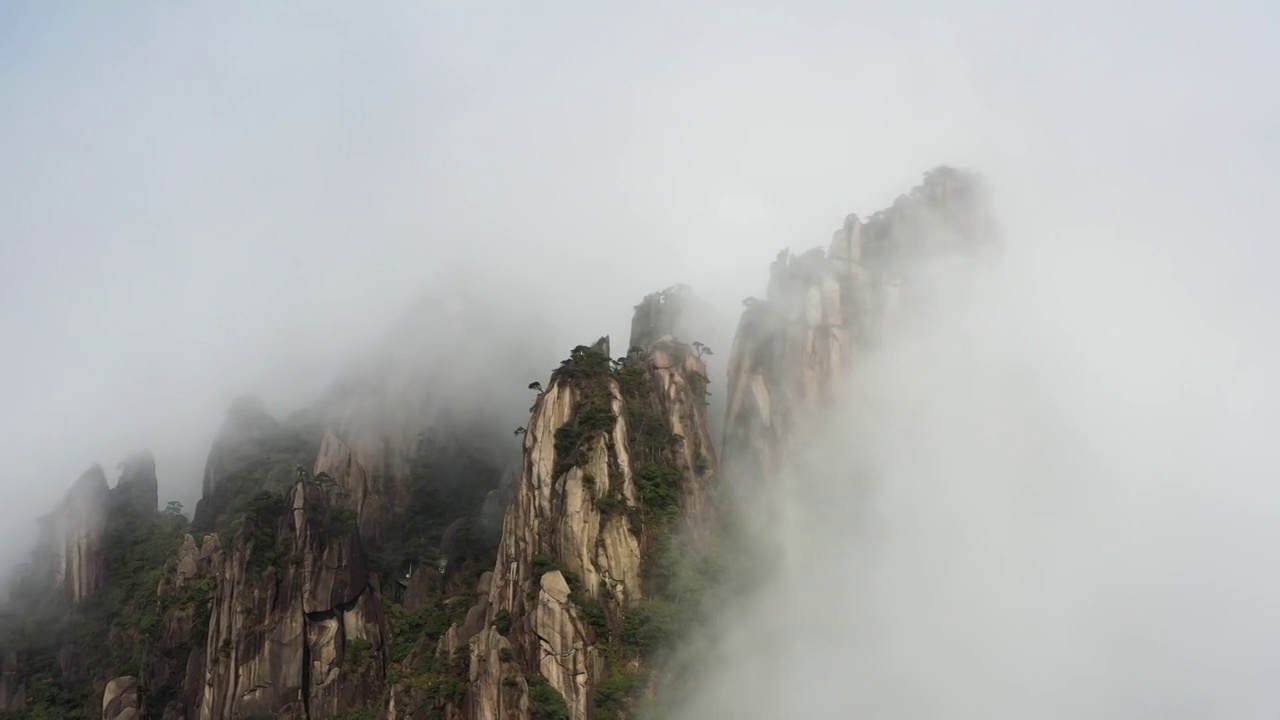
{"x": 588, "y": 362}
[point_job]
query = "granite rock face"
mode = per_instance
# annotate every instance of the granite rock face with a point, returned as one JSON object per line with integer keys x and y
{"x": 296, "y": 628}
{"x": 414, "y": 386}
{"x": 251, "y": 452}
{"x": 614, "y": 447}
{"x": 824, "y": 309}
{"x": 72, "y": 537}
{"x": 120, "y": 699}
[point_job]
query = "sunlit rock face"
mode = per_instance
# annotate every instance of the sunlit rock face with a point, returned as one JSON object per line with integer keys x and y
{"x": 617, "y": 454}
{"x": 822, "y": 309}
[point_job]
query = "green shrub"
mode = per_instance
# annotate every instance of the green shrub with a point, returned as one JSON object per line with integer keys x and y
{"x": 659, "y": 487}
{"x": 359, "y": 652}
{"x": 587, "y": 371}
{"x": 343, "y": 521}
{"x": 611, "y": 504}
{"x": 543, "y": 564}
{"x": 545, "y": 702}
{"x": 649, "y": 624}
{"x": 261, "y": 521}
{"x": 615, "y": 691}
{"x": 592, "y": 612}
{"x": 594, "y": 417}
{"x": 408, "y": 628}
{"x": 502, "y": 621}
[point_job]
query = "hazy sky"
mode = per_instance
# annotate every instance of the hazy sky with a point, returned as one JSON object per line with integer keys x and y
{"x": 199, "y": 199}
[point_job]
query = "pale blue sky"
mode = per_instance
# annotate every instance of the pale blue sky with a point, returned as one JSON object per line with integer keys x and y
{"x": 203, "y": 198}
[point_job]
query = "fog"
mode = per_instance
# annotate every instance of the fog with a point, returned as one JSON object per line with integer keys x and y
{"x": 1047, "y": 499}
{"x": 1064, "y": 506}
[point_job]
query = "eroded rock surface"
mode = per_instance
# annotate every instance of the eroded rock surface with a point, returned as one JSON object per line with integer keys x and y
{"x": 615, "y": 449}
{"x": 72, "y": 537}
{"x": 120, "y": 699}
{"x": 296, "y": 627}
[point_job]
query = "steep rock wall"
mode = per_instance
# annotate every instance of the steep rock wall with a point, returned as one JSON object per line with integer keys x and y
{"x": 137, "y": 486}
{"x": 823, "y": 309}
{"x": 252, "y": 452}
{"x": 72, "y": 537}
{"x": 296, "y": 628}
{"x": 615, "y": 453}
{"x": 174, "y": 665}
{"x": 120, "y": 699}
{"x": 411, "y": 384}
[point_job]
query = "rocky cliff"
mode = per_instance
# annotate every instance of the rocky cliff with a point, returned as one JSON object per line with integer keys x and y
{"x": 393, "y": 552}
{"x": 295, "y": 628}
{"x": 81, "y": 612}
{"x": 251, "y": 452}
{"x": 618, "y": 462}
{"x": 120, "y": 699}
{"x": 824, "y": 308}
{"x": 173, "y": 671}
{"x": 138, "y": 487}
{"x": 411, "y": 399}
{"x": 72, "y": 536}
{"x": 71, "y": 549}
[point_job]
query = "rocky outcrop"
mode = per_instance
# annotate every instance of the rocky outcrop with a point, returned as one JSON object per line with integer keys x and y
{"x": 415, "y": 385}
{"x": 174, "y": 666}
{"x": 616, "y": 451}
{"x": 71, "y": 537}
{"x": 120, "y": 699}
{"x": 823, "y": 309}
{"x": 675, "y": 312}
{"x": 611, "y": 498}
{"x": 296, "y": 628}
{"x": 70, "y": 548}
{"x": 678, "y": 314}
{"x": 244, "y": 429}
{"x": 191, "y": 562}
{"x": 252, "y": 452}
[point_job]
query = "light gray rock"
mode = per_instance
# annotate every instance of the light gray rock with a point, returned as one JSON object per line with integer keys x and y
{"x": 120, "y": 699}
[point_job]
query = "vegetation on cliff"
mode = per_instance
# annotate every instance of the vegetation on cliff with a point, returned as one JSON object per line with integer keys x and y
{"x": 68, "y": 651}
{"x": 675, "y": 572}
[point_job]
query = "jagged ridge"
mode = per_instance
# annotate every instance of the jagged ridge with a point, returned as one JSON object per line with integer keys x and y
{"x": 311, "y": 599}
